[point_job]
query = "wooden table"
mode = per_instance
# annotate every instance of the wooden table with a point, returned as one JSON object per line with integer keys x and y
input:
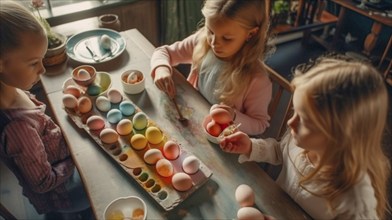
{"x": 105, "y": 180}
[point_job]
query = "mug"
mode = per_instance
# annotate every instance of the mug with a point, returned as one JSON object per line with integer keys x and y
{"x": 110, "y": 21}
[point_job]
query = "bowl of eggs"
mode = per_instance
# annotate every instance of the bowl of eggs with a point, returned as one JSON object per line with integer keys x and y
{"x": 84, "y": 75}
{"x": 132, "y": 81}
{"x": 217, "y": 121}
{"x": 98, "y": 87}
{"x": 131, "y": 207}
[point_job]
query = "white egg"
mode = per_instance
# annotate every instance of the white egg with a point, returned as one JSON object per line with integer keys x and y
{"x": 152, "y": 156}
{"x": 245, "y": 196}
{"x": 83, "y": 74}
{"x": 191, "y": 164}
{"x": 103, "y": 103}
{"x": 114, "y": 96}
{"x": 249, "y": 213}
{"x": 106, "y": 42}
{"x": 182, "y": 182}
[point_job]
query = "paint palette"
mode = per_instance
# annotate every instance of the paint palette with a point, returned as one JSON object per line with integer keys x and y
{"x": 157, "y": 162}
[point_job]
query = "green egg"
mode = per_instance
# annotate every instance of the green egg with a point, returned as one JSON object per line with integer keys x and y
{"x": 94, "y": 89}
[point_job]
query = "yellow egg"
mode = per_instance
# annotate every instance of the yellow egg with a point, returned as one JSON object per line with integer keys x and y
{"x": 182, "y": 182}
{"x": 108, "y": 136}
{"x": 84, "y": 104}
{"x": 154, "y": 135}
{"x": 140, "y": 121}
{"x": 138, "y": 141}
{"x": 164, "y": 168}
{"x": 152, "y": 156}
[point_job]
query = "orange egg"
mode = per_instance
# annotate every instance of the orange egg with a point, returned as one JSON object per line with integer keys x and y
{"x": 221, "y": 116}
{"x": 213, "y": 128}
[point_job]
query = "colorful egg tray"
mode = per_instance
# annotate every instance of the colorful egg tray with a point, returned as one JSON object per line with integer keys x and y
{"x": 132, "y": 160}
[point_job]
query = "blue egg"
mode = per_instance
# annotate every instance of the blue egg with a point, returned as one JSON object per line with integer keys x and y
{"x": 127, "y": 108}
{"x": 94, "y": 89}
{"x": 114, "y": 116}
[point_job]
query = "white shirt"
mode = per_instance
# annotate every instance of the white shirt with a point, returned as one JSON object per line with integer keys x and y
{"x": 357, "y": 203}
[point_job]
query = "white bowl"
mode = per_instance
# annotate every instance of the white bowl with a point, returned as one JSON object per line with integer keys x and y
{"x": 125, "y": 206}
{"x": 132, "y": 88}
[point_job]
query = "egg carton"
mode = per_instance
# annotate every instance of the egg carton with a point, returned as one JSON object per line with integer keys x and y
{"x": 132, "y": 161}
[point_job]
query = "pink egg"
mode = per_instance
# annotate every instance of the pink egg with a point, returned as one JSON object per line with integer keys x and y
{"x": 164, "y": 168}
{"x": 171, "y": 150}
{"x": 124, "y": 127}
{"x": 73, "y": 90}
{"x": 220, "y": 115}
{"x": 95, "y": 122}
{"x": 132, "y": 78}
{"x": 114, "y": 96}
{"x": 182, "y": 182}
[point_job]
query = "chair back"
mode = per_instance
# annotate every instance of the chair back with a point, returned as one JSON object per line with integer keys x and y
{"x": 280, "y": 107}
{"x": 309, "y": 11}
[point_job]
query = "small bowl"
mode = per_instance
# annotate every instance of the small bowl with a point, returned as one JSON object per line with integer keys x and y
{"x": 102, "y": 79}
{"x": 211, "y": 138}
{"x": 132, "y": 88}
{"x": 126, "y": 208}
{"x": 90, "y": 69}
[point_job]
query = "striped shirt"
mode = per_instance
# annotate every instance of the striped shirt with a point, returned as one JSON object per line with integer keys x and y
{"x": 33, "y": 148}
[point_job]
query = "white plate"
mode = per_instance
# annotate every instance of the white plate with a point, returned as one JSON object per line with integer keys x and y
{"x": 123, "y": 208}
{"x": 76, "y": 46}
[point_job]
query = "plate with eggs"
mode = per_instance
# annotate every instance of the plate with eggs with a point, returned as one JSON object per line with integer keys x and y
{"x": 95, "y": 46}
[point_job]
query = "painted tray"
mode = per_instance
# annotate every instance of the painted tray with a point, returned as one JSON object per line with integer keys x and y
{"x": 158, "y": 187}
{"x": 76, "y": 46}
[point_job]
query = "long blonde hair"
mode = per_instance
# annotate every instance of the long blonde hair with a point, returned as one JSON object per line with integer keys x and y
{"x": 348, "y": 102}
{"x": 250, "y": 14}
{"x": 15, "y": 20}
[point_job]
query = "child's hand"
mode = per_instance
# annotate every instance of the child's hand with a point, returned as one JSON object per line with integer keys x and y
{"x": 237, "y": 143}
{"x": 163, "y": 80}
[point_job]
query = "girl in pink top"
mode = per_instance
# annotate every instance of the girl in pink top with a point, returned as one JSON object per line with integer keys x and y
{"x": 227, "y": 56}
{"x": 31, "y": 144}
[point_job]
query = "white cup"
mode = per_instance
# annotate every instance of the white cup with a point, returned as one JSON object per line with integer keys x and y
{"x": 132, "y": 88}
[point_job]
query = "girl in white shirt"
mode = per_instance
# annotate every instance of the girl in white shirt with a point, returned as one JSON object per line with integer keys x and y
{"x": 333, "y": 164}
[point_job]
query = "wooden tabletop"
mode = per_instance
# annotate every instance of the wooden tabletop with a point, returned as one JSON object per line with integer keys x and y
{"x": 105, "y": 180}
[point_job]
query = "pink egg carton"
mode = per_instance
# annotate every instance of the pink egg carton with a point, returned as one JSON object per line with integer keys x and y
{"x": 160, "y": 188}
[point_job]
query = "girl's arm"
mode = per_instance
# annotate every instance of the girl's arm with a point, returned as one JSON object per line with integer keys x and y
{"x": 25, "y": 146}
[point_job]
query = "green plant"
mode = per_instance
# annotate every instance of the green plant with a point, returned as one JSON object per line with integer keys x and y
{"x": 280, "y": 6}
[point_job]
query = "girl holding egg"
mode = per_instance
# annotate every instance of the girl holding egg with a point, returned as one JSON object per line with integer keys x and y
{"x": 31, "y": 144}
{"x": 227, "y": 56}
{"x": 332, "y": 160}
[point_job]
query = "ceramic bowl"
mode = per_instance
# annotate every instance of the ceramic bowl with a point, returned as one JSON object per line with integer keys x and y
{"x": 102, "y": 79}
{"x": 131, "y": 207}
{"x": 132, "y": 88}
{"x": 90, "y": 69}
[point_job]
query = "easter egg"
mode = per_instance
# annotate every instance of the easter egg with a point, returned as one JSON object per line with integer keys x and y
{"x": 114, "y": 116}
{"x": 164, "y": 168}
{"x": 83, "y": 74}
{"x": 84, "y": 104}
{"x": 140, "y": 121}
{"x": 138, "y": 141}
{"x": 103, "y": 104}
{"x": 108, "y": 136}
{"x": 152, "y": 156}
{"x": 154, "y": 135}
{"x": 95, "y": 122}
{"x": 70, "y": 101}
{"x": 114, "y": 96}
{"x": 182, "y": 181}
{"x": 190, "y": 164}
{"x": 124, "y": 127}
{"x": 73, "y": 90}
{"x": 244, "y": 195}
{"x": 213, "y": 128}
{"x": 94, "y": 89}
{"x": 249, "y": 213}
{"x": 127, "y": 108}
{"x": 171, "y": 150}
{"x": 220, "y": 115}
{"x": 132, "y": 78}
{"x": 105, "y": 42}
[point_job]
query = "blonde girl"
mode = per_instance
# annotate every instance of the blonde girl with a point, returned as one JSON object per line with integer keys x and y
{"x": 227, "y": 55}
{"x": 333, "y": 162}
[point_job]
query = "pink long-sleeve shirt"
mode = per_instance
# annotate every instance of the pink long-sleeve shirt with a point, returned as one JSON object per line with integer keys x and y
{"x": 251, "y": 105}
{"x": 33, "y": 148}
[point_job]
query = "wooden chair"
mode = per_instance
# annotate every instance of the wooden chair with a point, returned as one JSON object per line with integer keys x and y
{"x": 280, "y": 108}
{"x": 5, "y": 213}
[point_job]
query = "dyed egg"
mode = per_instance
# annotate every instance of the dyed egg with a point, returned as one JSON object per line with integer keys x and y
{"x": 70, "y": 101}
{"x": 94, "y": 89}
{"x": 171, "y": 150}
{"x": 182, "y": 181}
{"x": 103, "y": 104}
{"x": 84, "y": 104}
{"x": 190, "y": 165}
{"x": 105, "y": 42}
{"x": 108, "y": 136}
{"x": 114, "y": 96}
{"x": 220, "y": 115}
{"x": 127, "y": 108}
{"x": 114, "y": 116}
{"x": 138, "y": 141}
{"x": 95, "y": 122}
{"x": 152, "y": 156}
{"x": 140, "y": 121}
{"x": 213, "y": 128}
{"x": 154, "y": 135}
{"x": 73, "y": 90}
{"x": 124, "y": 127}
{"x": 132, "y": 77}
{"x": 164, "y": 167}
{"x": 249, "y": 213}
{"x": 83, "y": 74}
{"x": 245, "y": 196}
